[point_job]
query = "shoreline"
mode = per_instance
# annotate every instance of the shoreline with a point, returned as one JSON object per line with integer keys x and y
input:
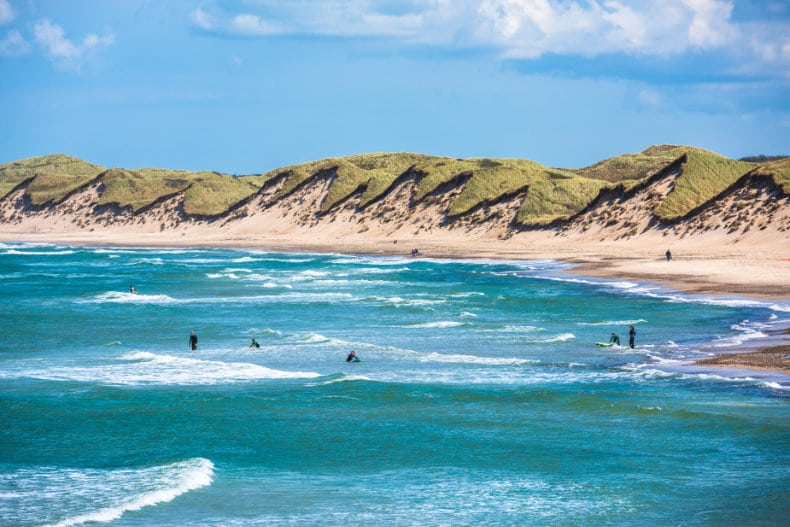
{"x": 723, "y": 273}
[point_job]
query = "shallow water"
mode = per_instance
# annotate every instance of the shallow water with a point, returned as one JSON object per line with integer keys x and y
{"x": 481, "y": 398}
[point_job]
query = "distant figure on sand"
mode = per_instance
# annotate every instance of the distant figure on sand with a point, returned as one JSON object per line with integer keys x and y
{"x": 615, "y": 339}
{"x": 631, "y": 336}
{"x": 193, "y": 341}
{"x": 132, "y": 290}
{"x": 352, "y": 357}
{"x": 415, "y": 252}
{"x": 669, "y": 255}
{"x": 254, "y": 344}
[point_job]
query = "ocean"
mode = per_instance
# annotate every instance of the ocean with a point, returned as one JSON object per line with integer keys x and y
{"x": 480, "y": 398}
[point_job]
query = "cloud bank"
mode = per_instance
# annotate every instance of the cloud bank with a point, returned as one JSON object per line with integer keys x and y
{"x": 526, "y": 29}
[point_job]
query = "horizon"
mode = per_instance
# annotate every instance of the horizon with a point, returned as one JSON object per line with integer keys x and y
{"x": 243, "y": 87}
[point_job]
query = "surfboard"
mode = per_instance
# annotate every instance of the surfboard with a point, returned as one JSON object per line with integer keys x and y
{"x": 604, "y": 344}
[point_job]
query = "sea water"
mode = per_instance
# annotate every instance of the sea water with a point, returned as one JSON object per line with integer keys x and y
{"x": 480, "y": 398}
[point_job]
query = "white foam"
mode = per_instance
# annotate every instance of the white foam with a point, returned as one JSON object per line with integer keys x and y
{"x": 473, "y": 359}
{"x": 38, "y": 253}
{"x": 120, "y": 491}
{"x": 559, "y": 338}
{"x": 145, "y": 368}
{"x": 340, "y": 378}
{"x": 119, "y": 297}
{"x": 438, "y": 324}
{"x": 613, "y": 322}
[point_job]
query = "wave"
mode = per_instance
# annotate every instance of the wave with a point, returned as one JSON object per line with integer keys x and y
{"x": 38, "y": 253}
{"x": 99, "y": 495}
{"x": 119, "y": 297}
{"x": 341, "y": 377}
{"x": 613, "y": 322}
{"x": 142, "y": 368}
{"x": 558, "y": 338}
{"x": 400, "y": 301}
{"x": 438, "y": 324}
{"x": 474, "y": 359}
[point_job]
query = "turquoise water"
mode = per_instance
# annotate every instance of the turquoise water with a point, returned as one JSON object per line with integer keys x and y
{"x": 480, "y": 399}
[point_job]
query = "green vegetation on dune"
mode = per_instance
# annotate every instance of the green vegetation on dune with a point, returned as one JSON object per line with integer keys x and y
{"x": 212, "y": 194}
{"x": 348, "y": 179}
{"x": 494, "y": 180}
{"x": 557, "y": 198}
{"x": 205, "y": 193}
{"x": 47, "y": 187}
{"x": 138, "y": 189}
{"x": 72, "y": 171}
{"x": 779, "y": 171}
{"x": 704, "y": 176}
{"x": 551, "y": 194}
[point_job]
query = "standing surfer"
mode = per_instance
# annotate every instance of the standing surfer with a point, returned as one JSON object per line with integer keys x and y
{"x": 631, "y": 336}
{"x": 193, "y": 341}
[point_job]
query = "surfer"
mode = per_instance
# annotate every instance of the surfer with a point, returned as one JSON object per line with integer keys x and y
{"x": 132, "y": 290}
{"x": 615, "y": 339}
{"x": 352, "y": 357}
{"x": 254, "y": 344}
{"x": 631, "y": 336}
{"x": 193, "y": 341}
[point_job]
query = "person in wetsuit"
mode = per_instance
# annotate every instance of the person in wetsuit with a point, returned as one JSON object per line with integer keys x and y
{"x": 615, "y": 339}
{"x": 193, "y": 341}
{"x": 631, "y": 336}
{"x": 352, "y": 357}
{"x": 254, "y": 344}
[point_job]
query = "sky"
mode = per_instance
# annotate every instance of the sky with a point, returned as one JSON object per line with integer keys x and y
{"x": 247, "y": 86}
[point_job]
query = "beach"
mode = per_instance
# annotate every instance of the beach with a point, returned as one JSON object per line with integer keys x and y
{"x": 705, "y": 265}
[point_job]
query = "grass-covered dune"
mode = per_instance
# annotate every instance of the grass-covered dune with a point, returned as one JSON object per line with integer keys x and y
{"x": 547, "y": 194}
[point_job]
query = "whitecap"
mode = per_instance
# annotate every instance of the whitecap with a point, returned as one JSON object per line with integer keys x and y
{"x": 100, "y": 495}
{"x": 343, "y": 377}
{"x": 559, "y": 338}
{"x": 142, "y": 368}
{"x": 119, "y": 297}
{"x": 613, "y": 322}
{"x": 474, "y": 359}
{"x": 438, "y": 324}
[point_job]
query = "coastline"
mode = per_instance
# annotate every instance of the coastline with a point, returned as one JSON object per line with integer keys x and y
{"x": 717, "y": 271}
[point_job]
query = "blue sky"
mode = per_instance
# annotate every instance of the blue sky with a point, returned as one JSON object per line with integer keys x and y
{"x": 245, "y": 86}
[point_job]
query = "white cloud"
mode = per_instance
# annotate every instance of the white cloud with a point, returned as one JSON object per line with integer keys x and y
{"x": 14, "y": 44}
{"x": 523, "y": 29}
{"x": 6, "y": 12}
{"x": 710, "y": 23}
{"x": 531, "y": 28}
{"x": 247, "y": 24}
{"x": 201, "y": 19}
{"x": 64, "y": 51}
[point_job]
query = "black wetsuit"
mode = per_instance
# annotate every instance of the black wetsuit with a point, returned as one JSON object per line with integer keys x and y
{"x": 193, "y": 342}
{"x": 615, "y": 340}
{"x": 631, "y": 337}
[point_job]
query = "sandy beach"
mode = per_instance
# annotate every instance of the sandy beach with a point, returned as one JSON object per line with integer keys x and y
{"x": 698, "y": 265}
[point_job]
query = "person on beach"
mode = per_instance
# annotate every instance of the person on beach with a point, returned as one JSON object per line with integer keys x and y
{"x": 254, "y": 344}
{"x": 631, "y": 336}
{"x": 669, "y": 255}
{"x": 352, "y": 357}
{"x": 193, "y": 341}
{"x": 615, "y": 339}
